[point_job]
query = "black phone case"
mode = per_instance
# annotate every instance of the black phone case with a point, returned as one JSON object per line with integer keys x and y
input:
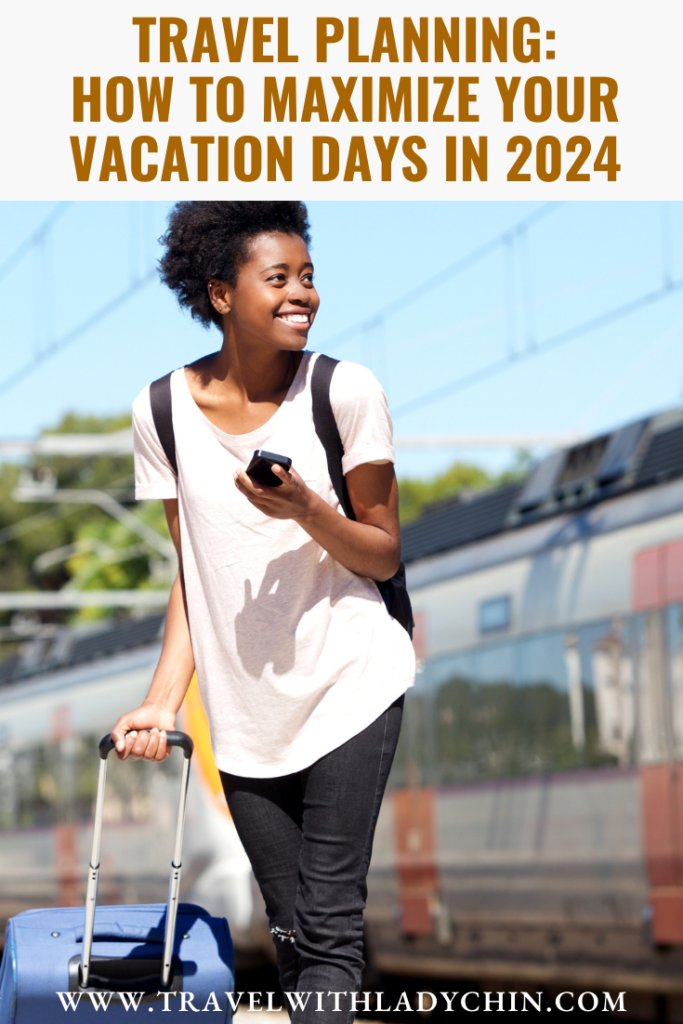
{"x": 259, "y": 469}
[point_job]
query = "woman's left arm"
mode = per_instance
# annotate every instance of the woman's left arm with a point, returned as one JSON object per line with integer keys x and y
{"x": 371, "y": 546}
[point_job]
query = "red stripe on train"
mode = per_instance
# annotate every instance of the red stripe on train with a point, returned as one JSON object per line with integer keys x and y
{"x": 415, "y": 836}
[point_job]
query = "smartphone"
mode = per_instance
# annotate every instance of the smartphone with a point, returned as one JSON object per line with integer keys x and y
{"x": 259, "y": 469}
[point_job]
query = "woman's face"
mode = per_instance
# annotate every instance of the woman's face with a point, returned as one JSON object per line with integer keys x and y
{"x": 274, "y": 300}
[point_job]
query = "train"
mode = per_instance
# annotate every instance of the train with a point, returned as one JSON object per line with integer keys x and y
{"x": 532, "y": 831}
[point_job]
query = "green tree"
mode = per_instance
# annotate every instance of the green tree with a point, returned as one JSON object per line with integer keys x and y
{"x": 415, "y": 495}
{"x": 113, "y": 558}
{"x": 31, "y": 530}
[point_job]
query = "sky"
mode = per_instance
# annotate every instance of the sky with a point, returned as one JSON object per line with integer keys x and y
{"x": 572, "y": 264}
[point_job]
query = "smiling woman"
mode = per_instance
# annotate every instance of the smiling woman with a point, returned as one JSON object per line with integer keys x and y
{"x": 301, "y": 668}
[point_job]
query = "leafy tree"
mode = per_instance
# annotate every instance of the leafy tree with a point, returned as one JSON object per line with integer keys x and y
{"x": 113, "y": 558}
{"x": 29, "y": 530}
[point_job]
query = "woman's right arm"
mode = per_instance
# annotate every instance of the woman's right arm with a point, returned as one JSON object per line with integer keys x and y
{"x": 142, "y": 733}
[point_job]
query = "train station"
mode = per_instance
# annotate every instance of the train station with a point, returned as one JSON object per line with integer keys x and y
{"x": 528, "y": 849}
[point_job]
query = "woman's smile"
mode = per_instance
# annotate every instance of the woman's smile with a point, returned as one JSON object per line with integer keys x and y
{"x": 299, "y": 319}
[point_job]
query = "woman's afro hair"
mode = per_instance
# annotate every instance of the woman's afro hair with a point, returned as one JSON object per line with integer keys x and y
{"x": 211, "y": 240}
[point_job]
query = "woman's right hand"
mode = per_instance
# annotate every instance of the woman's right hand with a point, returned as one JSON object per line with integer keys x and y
{"x": 142, "y": 733}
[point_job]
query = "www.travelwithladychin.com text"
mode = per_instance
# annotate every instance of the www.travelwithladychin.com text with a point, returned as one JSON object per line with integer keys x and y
{"x": 375, "y": 1002}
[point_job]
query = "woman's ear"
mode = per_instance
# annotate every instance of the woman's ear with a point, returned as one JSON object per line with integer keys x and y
{"x": 219, "y": 293}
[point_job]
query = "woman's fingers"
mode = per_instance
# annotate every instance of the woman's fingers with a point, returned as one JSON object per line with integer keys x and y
{"x": 247, "y": 486}
{"x": 145, "y": 745}
{"x": 139, "y": 734}
{"x": 252, "y": 490}
{"x": 277, "y": 502}
{"x": 262, "y": 499}
{"x": 138, "y": 744}
{"x": 129, "y": 740}
{"x": 119, "y": 733}
{"x": 292, "y": 500}
{"x": 162, "y": 751}
{"x": 152, "y": 745}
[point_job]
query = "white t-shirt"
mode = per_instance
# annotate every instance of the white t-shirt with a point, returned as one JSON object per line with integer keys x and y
{"x": 295, "y": 654}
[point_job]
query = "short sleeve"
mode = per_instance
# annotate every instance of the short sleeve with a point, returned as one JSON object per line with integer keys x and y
{"x": 154, "y": 477}
{"x": 362, "y": 414}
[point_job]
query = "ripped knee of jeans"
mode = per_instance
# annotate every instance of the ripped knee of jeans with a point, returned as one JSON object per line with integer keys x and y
{"x": 284, "y": 934}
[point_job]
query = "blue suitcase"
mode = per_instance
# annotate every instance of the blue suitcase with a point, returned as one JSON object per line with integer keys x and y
{"x": 172, "y": 957}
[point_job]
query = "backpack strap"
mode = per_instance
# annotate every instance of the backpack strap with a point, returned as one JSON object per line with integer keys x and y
{"x": 393, "y": 591}
{"x": 162, "y": 414}
{"x": 327, "y": 430}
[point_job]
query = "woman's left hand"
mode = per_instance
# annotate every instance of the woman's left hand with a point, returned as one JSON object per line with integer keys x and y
{"x": 293, "y": 499}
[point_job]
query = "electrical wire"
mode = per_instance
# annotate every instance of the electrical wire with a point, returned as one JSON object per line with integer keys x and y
{"x": 464, "y": 263}
{"x": 76, "y": 332}
{"x": 499, "y": 365}
{"x": 34, "y": 239}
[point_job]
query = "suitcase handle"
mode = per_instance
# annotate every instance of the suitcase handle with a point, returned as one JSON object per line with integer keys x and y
{"x": 173, "y": 739}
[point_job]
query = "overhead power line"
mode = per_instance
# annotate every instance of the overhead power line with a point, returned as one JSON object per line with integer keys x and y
{"x": 76, "y": 332}
{"x": 33, "y": 239}
{"x": 499, "y": 365}
{"x": 418, "y": 293}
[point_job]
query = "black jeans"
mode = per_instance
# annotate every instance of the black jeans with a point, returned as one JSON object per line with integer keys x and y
{"x": 309, "y": 838}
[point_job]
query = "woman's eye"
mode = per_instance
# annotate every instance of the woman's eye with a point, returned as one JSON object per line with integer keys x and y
{"x": 277, "y": 277}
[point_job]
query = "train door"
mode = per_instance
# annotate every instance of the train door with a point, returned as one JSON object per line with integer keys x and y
{"x": 658, "y": 597}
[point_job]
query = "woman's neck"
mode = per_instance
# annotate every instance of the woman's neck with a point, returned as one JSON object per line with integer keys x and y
{"x": 255, "y": 374}
{"x": 240, "y": 392}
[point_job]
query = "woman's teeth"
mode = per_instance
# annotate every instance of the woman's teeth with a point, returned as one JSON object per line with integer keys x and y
{"x": 295, "y": 318}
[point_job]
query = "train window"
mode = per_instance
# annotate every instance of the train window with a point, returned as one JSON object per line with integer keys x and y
{"x": 515, "y": 708}
{"x": 413, "y": 764}
{"x": 494, "y": 662}
{"x": 495, "y": 614}
{"x": 606, "y": 693}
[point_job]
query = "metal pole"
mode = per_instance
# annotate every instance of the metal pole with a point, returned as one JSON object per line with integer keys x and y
{"x": 174, "y": 884}
{"x": 93, "y": 876}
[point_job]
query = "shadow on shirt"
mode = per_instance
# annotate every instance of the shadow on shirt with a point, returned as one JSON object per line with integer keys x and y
{"x": 267, "y": 628}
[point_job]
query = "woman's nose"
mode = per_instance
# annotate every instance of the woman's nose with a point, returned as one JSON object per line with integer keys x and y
{"x": 297, "y": 292}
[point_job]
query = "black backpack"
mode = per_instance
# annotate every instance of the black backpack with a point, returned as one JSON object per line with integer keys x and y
{"x": 394, "y": 592}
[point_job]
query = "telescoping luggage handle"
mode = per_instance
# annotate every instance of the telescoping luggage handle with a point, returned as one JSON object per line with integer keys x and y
{"x": 173, "y": 739}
